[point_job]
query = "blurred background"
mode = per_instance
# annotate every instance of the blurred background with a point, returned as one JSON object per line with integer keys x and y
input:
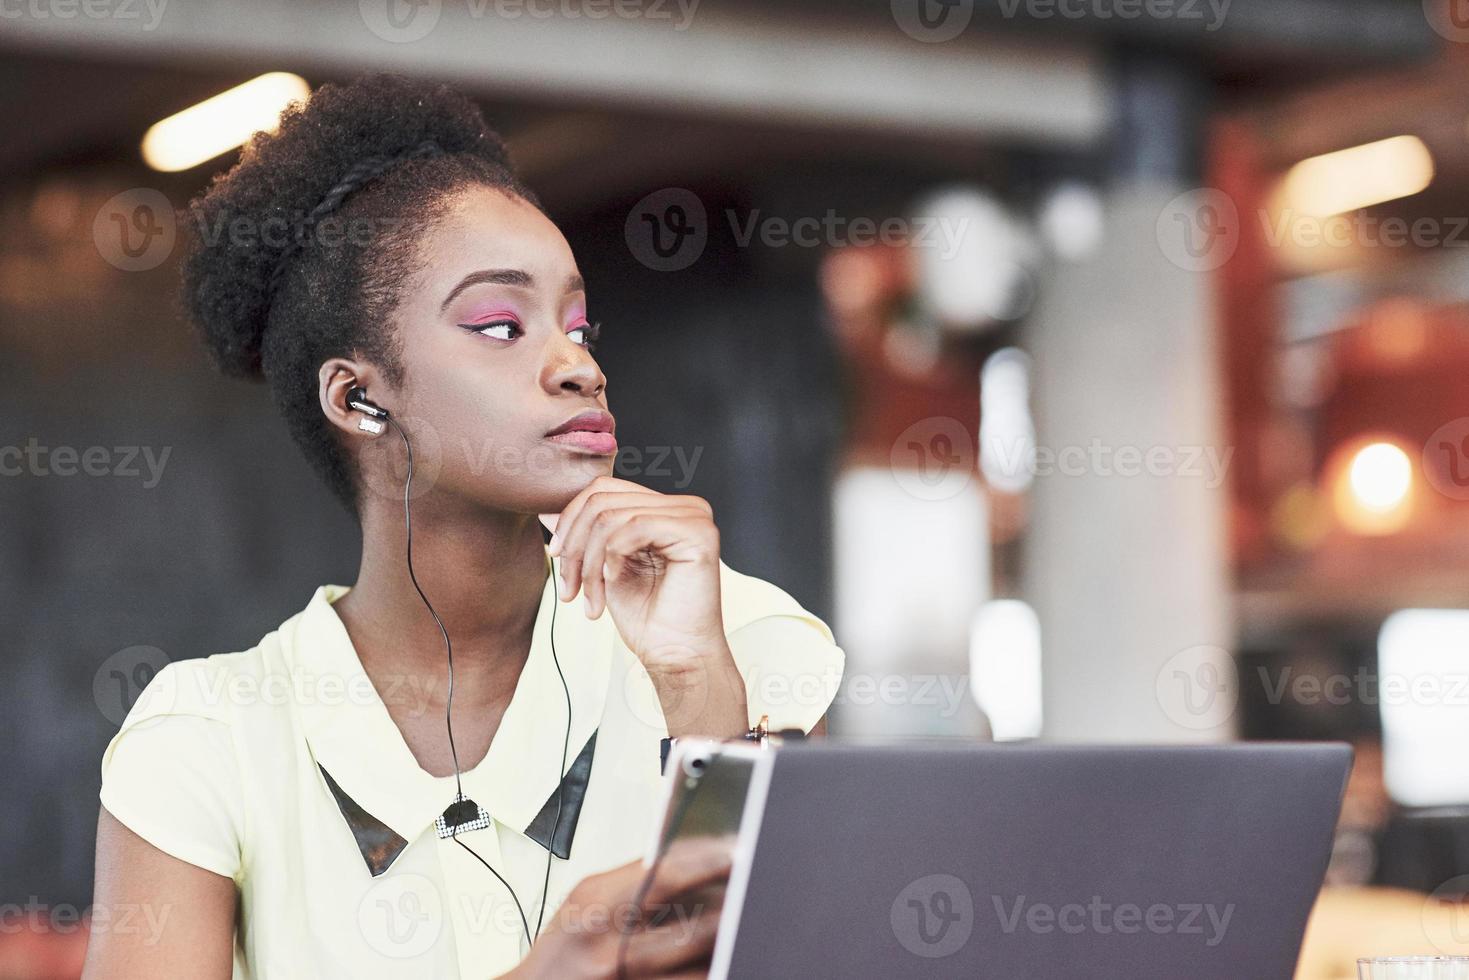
{"x": 1096, "y": 368}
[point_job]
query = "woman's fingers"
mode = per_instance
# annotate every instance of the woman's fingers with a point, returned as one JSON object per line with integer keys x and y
{"x": 569, "y": 513}
{"x": 574, "y": 566}
{"x": 571, "y": 525}
{"x": 621, "y": 533}
{"x": 688, "y": 864}
{"x": 588, "y": 515}
{"x": 682, "y": 907}
{"x": 682, "y": 941}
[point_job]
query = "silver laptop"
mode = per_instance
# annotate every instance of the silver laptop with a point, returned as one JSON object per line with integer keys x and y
{"x": 1043, "y": 862}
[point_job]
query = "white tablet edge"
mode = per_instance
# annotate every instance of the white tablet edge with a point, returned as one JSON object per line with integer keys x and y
{"x": 744, "y": 860}
{"x": 673, "y": 777}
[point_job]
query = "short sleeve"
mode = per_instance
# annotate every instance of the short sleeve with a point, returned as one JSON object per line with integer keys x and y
{"x": 170, "y": 774}
{"x": 788, "y": 657}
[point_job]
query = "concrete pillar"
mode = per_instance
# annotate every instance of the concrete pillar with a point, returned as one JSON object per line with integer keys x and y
{"x": 1126, "y": 560}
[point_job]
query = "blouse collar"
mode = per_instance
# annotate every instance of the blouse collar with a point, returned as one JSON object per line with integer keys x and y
{"x": 352, "y": 736}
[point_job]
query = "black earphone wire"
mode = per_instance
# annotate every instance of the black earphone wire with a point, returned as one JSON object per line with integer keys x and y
{"x": 675, "y": 821}
{"x": 449, "y": 708}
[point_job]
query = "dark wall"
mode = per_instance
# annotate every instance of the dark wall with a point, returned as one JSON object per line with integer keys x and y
{"x": 104, "y": 578}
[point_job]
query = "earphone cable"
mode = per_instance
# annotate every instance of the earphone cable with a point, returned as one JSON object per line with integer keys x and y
{"x": 565, "y": 745}
{"x": 449, "y": 708}
{"x": 675, "y": 821}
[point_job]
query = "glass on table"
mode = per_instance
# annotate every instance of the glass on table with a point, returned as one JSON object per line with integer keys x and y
{"x": 1413, "y": 968}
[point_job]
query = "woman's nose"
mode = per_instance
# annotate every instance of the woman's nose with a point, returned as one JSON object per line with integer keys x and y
{"x": 575, "y": 370}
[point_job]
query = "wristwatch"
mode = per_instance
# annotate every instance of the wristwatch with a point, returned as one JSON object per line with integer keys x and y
{"x": 759, "y": 733}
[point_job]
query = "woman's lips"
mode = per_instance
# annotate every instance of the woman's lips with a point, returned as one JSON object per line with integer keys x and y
{"x": 600, "y": 443}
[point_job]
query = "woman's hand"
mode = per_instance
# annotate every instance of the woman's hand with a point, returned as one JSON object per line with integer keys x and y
{"x": 650, "y": 558}
{"x": 673, "y": 935}
{"x": 652, "y": 561}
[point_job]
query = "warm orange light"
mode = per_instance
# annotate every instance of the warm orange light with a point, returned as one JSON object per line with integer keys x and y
{"x": 1359, "y": 176}
{"x": 223, "y": 122}
{"x": 1372, "y": 486}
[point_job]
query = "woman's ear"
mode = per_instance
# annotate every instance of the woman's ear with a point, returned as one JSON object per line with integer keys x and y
{"x": 336, "y": 377}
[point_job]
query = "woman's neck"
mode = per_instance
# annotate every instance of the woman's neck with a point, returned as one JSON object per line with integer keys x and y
{"x": 485, "y": 576}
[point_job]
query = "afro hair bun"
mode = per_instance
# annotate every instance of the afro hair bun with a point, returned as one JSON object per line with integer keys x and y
{"x": 247, "y": 223}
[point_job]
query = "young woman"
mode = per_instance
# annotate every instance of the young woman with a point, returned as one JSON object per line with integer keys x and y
{"x": 305, "y": 808}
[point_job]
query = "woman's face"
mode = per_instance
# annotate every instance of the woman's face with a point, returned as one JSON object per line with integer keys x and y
{"x": 495, "y": 338}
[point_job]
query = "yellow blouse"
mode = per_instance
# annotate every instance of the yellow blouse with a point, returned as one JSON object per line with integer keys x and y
{"x": 255, "y": 765}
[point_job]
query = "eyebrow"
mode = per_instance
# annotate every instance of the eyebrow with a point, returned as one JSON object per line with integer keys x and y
{"x": 505, "y": 277}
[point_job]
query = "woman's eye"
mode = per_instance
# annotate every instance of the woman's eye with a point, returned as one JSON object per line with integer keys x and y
{"x": 500, "y": 329}
{"x": 586, "y": 334}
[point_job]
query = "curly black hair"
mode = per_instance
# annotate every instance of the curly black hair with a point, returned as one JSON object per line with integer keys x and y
{"x": 300, "y": 251}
